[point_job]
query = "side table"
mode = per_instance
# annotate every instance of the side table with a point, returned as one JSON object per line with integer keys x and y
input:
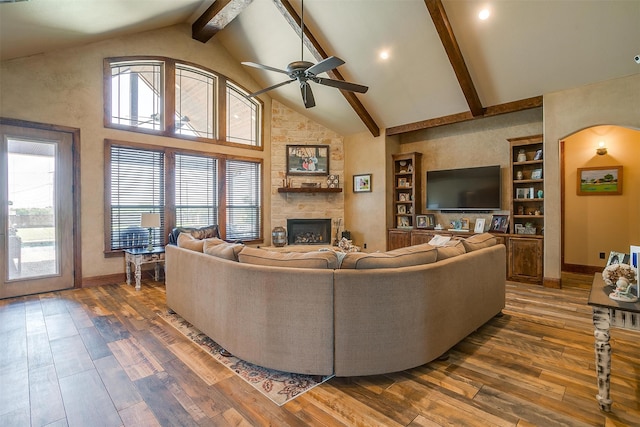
{"x": 607, "y": 313}
{"x": 139, "y": 256}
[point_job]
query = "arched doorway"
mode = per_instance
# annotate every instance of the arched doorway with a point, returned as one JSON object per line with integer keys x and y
{"x": 594, "y": 225}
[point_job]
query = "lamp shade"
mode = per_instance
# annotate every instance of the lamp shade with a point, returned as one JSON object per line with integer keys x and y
{"x": 150, "y": 220}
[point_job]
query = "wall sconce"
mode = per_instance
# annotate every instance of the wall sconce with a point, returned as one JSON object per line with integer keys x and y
{"x": 150, "y": 220}
{"x": 601, "y": 150}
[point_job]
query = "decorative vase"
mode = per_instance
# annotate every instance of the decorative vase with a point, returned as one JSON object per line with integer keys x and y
{"x": 522, "y": 156}
{"x": 278, "y": 236}
{"x": 519, "y": 175}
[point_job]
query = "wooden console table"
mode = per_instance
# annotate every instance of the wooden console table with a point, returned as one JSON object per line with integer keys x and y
{"x": 607, "y": 313}
{"x": 139, "y": 256}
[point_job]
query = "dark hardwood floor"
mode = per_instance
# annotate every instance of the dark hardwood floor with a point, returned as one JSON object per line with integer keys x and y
{"x": 102, "y": 357}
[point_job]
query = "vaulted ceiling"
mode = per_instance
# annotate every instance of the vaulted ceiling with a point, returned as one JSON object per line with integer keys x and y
{"x": 444, "y": 65}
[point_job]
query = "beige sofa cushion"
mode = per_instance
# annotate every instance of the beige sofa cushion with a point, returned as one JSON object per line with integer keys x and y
{"x": 187, "y": 241}
{"x": 403, "y": 257}
{"x": 316, "y": 259}
{"x": 479, "y": 241}
{"x": 221, "y": 249}
{"x": 450, "y": 249}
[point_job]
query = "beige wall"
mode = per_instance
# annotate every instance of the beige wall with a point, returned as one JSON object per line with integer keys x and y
{"x": 365, "y": 214}
{"x": 480, "y": 142}
{"x": 65, "y": 88}
{"x": 614, "y": 102}
{"x": 595, "y": 224}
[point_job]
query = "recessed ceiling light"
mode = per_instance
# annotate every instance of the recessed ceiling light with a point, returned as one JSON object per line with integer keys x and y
{"x": 384, "y": 54}
{"x": 484, "y": 14}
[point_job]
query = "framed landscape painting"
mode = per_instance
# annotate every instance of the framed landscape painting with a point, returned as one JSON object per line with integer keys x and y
{"x": 600, "y": 181}
{"x": 307, "y": 160}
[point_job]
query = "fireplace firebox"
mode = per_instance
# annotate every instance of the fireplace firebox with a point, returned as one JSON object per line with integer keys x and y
{"x": 309, "y": 231}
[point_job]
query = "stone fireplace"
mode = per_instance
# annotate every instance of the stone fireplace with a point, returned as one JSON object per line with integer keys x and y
{"x": 309, "y": 231}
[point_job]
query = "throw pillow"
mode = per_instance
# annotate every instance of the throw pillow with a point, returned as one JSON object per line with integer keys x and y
{"x": 316, "y": 259}
{"x": 187, "y": 241}
{"x": 451, "y": 249}
{"x": 403, "y": 257}
{"x": 221, "y": 249}
{"x": 479, "y": 241}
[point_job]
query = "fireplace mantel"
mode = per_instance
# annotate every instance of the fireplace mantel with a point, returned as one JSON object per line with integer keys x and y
{"x": 308, "y": 190}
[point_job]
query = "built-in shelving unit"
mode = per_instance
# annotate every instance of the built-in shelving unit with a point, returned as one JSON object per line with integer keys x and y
{"x": 407, "y": 188}
{"x": 527, "y": 185}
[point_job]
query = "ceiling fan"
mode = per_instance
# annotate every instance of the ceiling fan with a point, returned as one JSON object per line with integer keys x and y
{"x": 304, "y": 71}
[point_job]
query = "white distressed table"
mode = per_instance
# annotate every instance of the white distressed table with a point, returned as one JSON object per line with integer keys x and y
{"x": 608, "y": 313}
{"x": 140, "y": 256}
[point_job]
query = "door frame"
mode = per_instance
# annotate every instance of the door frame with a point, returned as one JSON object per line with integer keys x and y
{"x": 75, "y": 152}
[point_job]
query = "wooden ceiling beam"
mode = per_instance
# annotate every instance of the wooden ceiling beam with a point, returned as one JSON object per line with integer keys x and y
{"x": 216, "y": 17}
{"x": 292, "y": 17}
{"x": 509, "y": 107}
{"x": 448, "y": 38}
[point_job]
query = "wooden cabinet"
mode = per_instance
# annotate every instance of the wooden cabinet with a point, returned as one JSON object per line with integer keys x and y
{"x": 527, "y": 185}
{"x": 525, "y": 259}
{"x": 407, "y": 189}
{"x": 397, "y": 239}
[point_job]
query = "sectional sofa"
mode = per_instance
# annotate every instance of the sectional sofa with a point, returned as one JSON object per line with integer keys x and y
{"x": 324, "y": 313}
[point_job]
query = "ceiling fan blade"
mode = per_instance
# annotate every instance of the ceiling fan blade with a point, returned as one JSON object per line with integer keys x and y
{"x": 325, "y": 65}
{"x": 307, "y": 95}
{"x": 286, "y": 82}
{"x": 340, "y": 84}
{"x": 264, "y": 67}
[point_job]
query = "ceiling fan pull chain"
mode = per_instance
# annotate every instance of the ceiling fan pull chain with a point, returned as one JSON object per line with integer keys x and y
{"x": 302, "y": 33}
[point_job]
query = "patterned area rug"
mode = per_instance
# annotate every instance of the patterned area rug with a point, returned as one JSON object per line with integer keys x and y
{"x": 278, "y": 386}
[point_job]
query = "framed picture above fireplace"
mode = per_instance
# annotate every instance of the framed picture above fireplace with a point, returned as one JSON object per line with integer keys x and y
{"x": 307, "y": 160}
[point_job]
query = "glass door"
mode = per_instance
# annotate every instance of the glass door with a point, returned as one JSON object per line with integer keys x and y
{"x": 36, "y": 172}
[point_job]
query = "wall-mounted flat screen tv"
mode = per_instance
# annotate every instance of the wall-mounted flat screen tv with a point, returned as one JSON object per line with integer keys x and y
{"x": 476, "y": 188}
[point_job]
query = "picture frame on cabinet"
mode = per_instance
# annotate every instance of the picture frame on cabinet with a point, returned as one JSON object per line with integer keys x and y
{"x": 464, "y": 223}
{"x": 521, "y": 193}
{"x": 427, "y": 221}
{"x": 402, "y": 209}
{"x": 618, "y": 258}
{"x": 479, "y": 225}
{"x": 403, "y": 183}
{"x": 499, "y": 223}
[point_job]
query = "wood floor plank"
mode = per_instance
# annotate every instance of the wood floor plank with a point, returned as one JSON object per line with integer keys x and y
{"x": 138, "y": 415}
{"x": 94, "y": 342}
{"x": 166, "y": 409}
{"x": 122, "y": 391}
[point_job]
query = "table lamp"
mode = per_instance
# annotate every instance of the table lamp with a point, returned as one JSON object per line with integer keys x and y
{"x": 150, "y": 220}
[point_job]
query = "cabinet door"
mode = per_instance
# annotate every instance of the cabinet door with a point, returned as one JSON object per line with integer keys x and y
{"x": 421, "y": 236}
{"x": 398, "y": 239}
{"x": 525, "y": 259}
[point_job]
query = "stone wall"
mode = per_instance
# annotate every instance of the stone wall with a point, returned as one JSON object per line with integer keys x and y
{"x": 290, "y": 127}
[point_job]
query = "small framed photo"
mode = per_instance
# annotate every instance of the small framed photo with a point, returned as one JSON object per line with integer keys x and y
{"x": 536, "y": 174}
{"x": 403, "y": 222}
{"x": 403, "y": 183}
{"x": 464, "y": 223}
{"x": 403, "y": 197}
{"x": 618, "y": 258}
{"x": 362, "y": 183}
{"x": 402, "y": 209}
{"x": 479, "y": 226}
{"x": 519, "y": 228}
{"x": 499, "y": 223}
{"x": 521, "y": 193}
{"x": 427, "y": 221}
{"x": 538, "y": 155}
